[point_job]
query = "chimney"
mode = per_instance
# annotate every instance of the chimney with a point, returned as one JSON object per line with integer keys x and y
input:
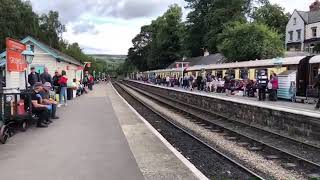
{"x": 315, "y": 6}
{"x": 206, "y": 52}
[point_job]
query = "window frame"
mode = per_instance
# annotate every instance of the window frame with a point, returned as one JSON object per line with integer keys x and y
{"x": 290, "y": 35}
{"x": 314, "y": 31}
{"x": 299, "y": 34}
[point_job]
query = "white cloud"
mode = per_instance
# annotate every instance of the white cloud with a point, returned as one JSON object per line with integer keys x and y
{"x": 111, "y": 38}
{"x": 104, "y": 26}
{"x": 291, "y": 5}
{"x": 108, "y": 26}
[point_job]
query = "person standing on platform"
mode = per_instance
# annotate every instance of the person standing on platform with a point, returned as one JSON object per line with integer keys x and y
{"x": 262, "y": 85}
{"x": 46, "y": 77}
{"x": 317, "y": 85}
{"x": 33, "y": 77}
{"x": 274, "y": 87}
{"x": 63, "y": 89}
{"x": 55, "y": 82}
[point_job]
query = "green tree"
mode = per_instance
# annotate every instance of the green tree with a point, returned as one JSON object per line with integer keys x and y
{"x": 51, "y": 29}
{"x": 139, "y": 53}
{"x": 166, "y": 44}
{"x": 159, "y": 44}
{"x": 273, "y": 16}
{"x": 17, "y": 20}
{"x": 250, "y": 41}
{"x": 208, "y": 18}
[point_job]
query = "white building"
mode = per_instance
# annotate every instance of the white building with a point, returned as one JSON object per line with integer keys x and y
{"x": 302, "y": 31}
{"x": 45, "y": 56}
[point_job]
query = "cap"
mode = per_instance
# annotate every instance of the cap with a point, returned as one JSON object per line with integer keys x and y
{"x": 38, "y": 84}
{"x": 47, "y": 84}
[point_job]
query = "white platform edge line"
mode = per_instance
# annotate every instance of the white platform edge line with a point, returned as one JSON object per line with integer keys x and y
{"x": 185, "y": 161}
{"x": 297, "y": 111}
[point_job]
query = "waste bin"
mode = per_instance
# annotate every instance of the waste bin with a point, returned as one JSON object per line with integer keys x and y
{"x": 70, "y": 93}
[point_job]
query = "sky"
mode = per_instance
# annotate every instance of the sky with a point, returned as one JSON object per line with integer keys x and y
{"x": 108, "y": 26}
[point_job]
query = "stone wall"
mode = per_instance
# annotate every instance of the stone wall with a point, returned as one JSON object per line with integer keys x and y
{"x": 275, "y": 120}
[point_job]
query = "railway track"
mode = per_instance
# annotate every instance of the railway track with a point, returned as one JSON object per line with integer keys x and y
{"x": 235, "y": 171}
{"x": 271, "y": 145}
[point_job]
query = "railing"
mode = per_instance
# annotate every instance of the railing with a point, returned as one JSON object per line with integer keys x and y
{"x": 15, "y": 106}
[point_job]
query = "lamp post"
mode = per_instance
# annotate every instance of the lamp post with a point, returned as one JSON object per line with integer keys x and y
{"x": 182, "y": 63}
{"x": 28, "y": 55}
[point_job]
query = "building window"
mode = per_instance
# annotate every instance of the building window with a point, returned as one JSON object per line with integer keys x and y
{"x": 244, "y": 73}
{"x": 294, "y": 21}
{"x": 32, "y": 47}
{"x": 299, "y": 34}
{"x": 314, "y": 31}
{"x": 291, "y": 35}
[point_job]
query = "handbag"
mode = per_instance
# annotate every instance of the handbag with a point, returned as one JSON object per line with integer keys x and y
{"x": 269, "y": 85}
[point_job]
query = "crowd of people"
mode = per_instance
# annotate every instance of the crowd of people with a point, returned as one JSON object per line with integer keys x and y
{"x": 259, "y": 87}
{"x": 45, "y": 88}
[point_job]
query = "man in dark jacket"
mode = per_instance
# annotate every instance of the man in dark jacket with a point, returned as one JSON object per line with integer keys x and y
{"x": 46, "y": 77}
{"x": 262, "y": 85}
{"x": 55, "y": 81}
{"x": 33, "y": 77}
{"x": 317, "y": 85}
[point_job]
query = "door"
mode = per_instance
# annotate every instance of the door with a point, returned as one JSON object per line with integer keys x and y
{"x": 303, "y": 77}
{"x": 39, "y": 68}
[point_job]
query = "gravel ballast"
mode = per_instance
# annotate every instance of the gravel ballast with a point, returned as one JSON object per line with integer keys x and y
{"x": 252, "y": 159}
{"x": 211, "y": 164}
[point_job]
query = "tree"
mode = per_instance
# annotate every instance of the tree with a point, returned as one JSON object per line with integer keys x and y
{"x": 51, "y": 29}
{"x": 250, "y": 41}
{"x": 209, "y": 17}
{"x": 166, "y": 44}
{"x": 273, "y": 16}
{"x": 17, "y": 20}
{"x": 160, "y": 43}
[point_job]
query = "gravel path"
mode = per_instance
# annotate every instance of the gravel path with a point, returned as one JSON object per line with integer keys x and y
{"x": 252, "y": 159}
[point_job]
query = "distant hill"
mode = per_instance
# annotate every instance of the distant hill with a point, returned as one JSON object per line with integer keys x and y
{"x": 117, "y": 59}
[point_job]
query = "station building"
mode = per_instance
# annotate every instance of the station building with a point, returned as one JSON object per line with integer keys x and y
{"x": 44, "y": 56}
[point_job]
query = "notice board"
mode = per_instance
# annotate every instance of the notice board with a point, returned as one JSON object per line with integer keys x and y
{"x": 15, "y": 60}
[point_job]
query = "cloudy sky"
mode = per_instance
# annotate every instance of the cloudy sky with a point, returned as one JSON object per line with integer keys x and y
{"x": 107, "y": 26}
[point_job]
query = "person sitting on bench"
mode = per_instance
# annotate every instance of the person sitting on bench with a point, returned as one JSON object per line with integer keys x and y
{"x": 41, "y": 110}
{"x": 48, "y": 97}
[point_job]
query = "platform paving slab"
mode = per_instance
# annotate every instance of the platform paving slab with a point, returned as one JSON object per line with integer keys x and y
{"x": 86, "y": 143}
{"x": 155, "y": 160}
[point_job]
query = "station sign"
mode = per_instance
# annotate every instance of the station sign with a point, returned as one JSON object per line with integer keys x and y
{"x": 16, "y": 62}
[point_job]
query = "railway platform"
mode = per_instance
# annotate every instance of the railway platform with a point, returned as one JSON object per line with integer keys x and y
{"x": 97, "y": 137}
{"x": 284, "y": 117}
{"x": 283, "y": 105}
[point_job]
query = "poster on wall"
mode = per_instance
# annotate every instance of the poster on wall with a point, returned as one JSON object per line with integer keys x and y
{"x": 15, "y": 60}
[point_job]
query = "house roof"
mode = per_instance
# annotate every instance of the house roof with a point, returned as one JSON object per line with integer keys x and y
{"x": 310, "y": 17}
{"x": 314, "y": 16}
{"x": 304, "y": 15}
{"x": 53, "y": 52}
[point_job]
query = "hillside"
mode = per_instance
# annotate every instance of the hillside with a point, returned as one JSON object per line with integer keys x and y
{"x": 110, "y": 59}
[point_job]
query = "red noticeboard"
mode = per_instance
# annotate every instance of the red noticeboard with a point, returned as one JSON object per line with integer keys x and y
{"x": 15, "y": 60}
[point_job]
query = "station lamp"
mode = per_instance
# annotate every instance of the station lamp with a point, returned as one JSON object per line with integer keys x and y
{"x": 28, "y": 54}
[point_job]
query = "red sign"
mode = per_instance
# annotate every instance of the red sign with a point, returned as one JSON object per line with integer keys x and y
{"x": 15, "y": 60}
